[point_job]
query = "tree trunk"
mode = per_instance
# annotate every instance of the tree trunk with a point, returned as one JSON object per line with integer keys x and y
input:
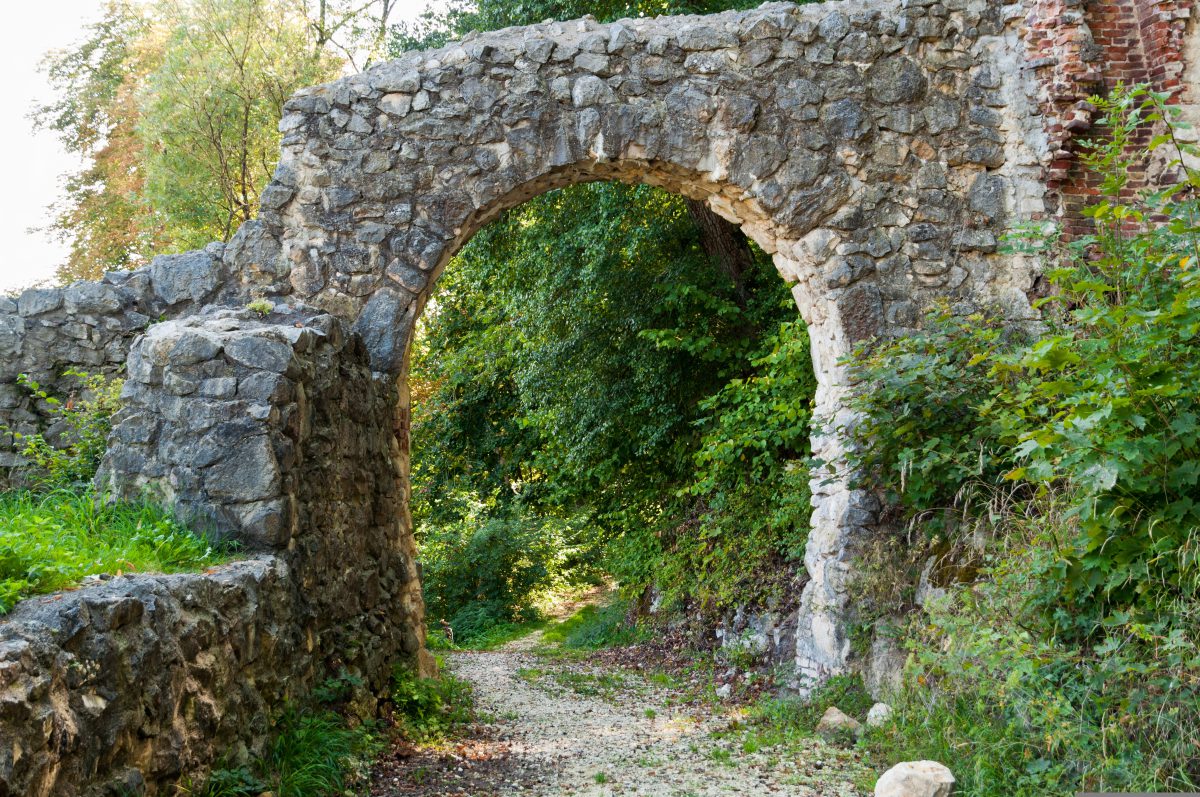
{"x": 726, "y": 244}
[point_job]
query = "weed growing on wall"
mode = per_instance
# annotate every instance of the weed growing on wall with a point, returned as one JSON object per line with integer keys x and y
{"x": 81, "y": 424}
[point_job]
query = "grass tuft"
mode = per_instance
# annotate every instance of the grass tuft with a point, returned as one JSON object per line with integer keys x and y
{"x": 594, "y": 627}
{"x": 52, "y": 541}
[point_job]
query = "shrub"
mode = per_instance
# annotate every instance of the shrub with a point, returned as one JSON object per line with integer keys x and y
{"x": 1016, "y": 711}
{"x": 933, "y": 435}
{"x": 736, "y": 530}
{"x": 430, "y": 708}
{"x": 83, "y": 422}
{"x": 1068, "y": 661}
{"x": 1101, "y": 406}
{"x": 483, "y": 570}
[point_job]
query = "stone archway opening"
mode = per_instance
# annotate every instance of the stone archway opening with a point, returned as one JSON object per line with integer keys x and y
{"x": 872, "y": 150}
{"x": 742, "y": 213}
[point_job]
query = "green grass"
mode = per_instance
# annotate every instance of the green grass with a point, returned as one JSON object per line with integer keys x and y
{"x": 52, "y": 541}
{"x": 315, "y": 753}
{"x": 431, "y": 709}
{"x": 787, "y": 720}
{"x": 594, "y": 627}
{"x": 488, "y": 639}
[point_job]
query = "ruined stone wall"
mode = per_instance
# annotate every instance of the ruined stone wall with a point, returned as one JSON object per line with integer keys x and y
{"x": 272, "y": 430}
{"x": 88, "y": 327}
{"x": 878, "y": 150}
{"x": 146, "y": 679}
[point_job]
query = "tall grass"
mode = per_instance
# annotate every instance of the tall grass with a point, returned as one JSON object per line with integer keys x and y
{"x": 53, "y": 540}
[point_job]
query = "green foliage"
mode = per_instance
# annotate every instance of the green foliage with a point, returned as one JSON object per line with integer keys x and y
{"x": 261, "y": 306}
{"x": 431, "y": 708}
{"x": 582, "y": 358}
{"x": 930, "y": 438}
{"x": 173, "y": 107}
{"x": 463, "y": 16}
{"x": 1100, "y": 405}
{"x": 313, "y": 753}
{"x": 488, "y": 569}
{"x": 94, "y": 116}
{"x": 1068, "y": 664}
{"x": 749, "y": 495}
{"x": 81, "y": 423}
{"x": 54, "y": 540}
{"x": 209, "y": 109}
{"x": 788, "y": 720}
{"x": 594, "y": 627}
{"x": 314, "y": 750}
{"x": 1016, "y": 712}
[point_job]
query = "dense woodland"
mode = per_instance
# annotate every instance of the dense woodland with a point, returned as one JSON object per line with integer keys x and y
{"x": 612, "y": 386}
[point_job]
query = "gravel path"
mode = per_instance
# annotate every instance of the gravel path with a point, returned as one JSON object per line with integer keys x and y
{"x": 562, "y": 727}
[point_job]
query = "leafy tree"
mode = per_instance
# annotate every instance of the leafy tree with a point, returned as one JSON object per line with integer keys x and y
{"x": 173, "y": 105}
{"x": 566, "y": 369}
{"x": 95, "y": 117}
{"x": 209, "y": 110}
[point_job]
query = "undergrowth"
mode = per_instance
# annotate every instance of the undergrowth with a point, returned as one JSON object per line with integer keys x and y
{"x": 315, "y": 750}
{"x": 1056, "y": 476}
{"x": 430, "y": 709}
{"x": 597, "y": 626}
{"x": 319, "y": 749}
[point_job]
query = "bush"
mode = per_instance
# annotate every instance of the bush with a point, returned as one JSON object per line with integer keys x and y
{"x": 485, "y": 570}
{"x": 82, "y": 421}
{"x": 736, "y": 531}
{"x": 430, "y": 708}
{"x": 1100, "y": 407}
{"x": 934, "y": 436}
{"x": 1016, "y": 711}
{"x": 1067, "y": 662}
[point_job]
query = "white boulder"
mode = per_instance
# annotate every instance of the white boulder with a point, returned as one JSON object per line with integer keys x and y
{"x": 916, "y": 779}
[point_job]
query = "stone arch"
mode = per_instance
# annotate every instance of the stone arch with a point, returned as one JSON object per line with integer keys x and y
{"x": 863, "y": 145}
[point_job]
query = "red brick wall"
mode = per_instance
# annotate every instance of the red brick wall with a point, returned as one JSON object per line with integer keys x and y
{"x": 1084, "y": 47}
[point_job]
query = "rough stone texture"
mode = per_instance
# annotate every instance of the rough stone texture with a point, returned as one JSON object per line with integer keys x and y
{"x": 143, "y": 680}
{"x": 916, "y": 779}
{"x": 873, "y": 148}
{"x": 878, "y": 715}
{"x": 272, "y": 430}
{"x": 836, "y": 724}
{"x": 89, "y": 326}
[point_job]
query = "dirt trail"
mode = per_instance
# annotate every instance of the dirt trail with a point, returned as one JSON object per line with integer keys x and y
{"x": 562, "y": 727}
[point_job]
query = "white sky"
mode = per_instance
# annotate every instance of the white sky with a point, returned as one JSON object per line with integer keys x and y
{"x": 33, "y": 161}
